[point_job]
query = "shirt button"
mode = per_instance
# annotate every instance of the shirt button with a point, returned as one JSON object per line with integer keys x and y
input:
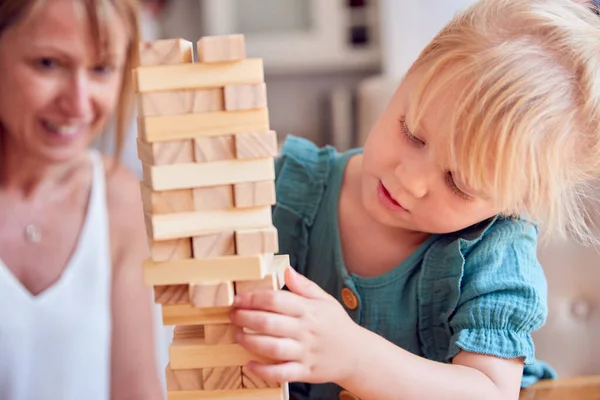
{"x": 349, "y": 298}
{"x": 346, "y": 395}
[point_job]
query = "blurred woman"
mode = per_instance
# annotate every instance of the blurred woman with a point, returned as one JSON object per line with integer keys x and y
{"x": 75, "y": 316}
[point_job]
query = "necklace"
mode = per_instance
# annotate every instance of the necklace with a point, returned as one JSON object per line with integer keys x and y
{"x": 33, "y": 234}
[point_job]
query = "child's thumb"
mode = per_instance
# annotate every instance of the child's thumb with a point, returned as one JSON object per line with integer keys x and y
{"x": 302, "y": 286}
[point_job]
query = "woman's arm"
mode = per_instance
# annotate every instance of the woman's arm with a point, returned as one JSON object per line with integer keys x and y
{"x": 385, "y": 371}
{"x": 134, "y": 372}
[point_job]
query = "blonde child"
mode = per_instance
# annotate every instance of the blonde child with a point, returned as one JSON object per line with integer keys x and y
{"x": 415, "y": 271}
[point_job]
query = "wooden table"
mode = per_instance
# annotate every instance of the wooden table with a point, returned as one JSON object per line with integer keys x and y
{"x": 582, "y": 388}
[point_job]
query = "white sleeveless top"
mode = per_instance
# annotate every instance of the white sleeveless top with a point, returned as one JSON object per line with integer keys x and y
{"x": 56, "y": 346}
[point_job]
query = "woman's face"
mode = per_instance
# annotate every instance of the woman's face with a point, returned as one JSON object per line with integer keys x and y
{"x": 56, "y": 91}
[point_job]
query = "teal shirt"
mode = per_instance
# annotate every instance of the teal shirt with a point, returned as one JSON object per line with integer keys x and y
{"x": 481, "y": 289}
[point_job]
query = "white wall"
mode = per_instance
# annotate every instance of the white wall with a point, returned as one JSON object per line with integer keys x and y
{"x": 408, "y": 25}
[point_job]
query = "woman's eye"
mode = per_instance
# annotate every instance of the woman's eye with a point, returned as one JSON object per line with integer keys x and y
{"x": 103, "y": 69}
{"x": 46, "y": 63}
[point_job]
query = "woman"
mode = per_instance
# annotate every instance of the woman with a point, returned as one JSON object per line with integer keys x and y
{"x": 75, "y": 316}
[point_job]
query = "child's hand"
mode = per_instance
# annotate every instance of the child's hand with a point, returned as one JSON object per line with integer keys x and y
{"x": 305, "y": 331}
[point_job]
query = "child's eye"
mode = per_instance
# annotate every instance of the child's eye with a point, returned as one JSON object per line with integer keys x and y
{"x": 452, "y": 185}
{"x": 407, "y": 134}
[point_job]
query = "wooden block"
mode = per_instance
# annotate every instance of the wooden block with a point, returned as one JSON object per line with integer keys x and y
{"x": 186, "y": 314}
{"x": 217, "y": 173}
{"x": 223, "y": 378}
{"x": 175, "y": 249}
{"x": 172, "y": 294}
{"x": 269, "y": 282}
{"x": 214, "y": 244}
{"x": 226, "y": 268}
{"x": 256, "y": 241}
{"x": 166, "y": 128}
{"x": 165, "y": 153}
{"x": 221, "y": 48}
{"x": 197, "y": 75}
{"x": 245, "y": 97}
{"x": 280, "y": 263}
{"x": 251, "y": 194}
{"x": 220, "y": 333}
{"x": 251, "y": 381}
{"x": 183, "y": 101}
{"x": 211, "y": 294}
{"x": 183, "y": 379}
{"x": 165, "y": 52}
{"x": 213, "y": 197}
{"x": 214, "y": 148}
{"x": 237, "y": 394}
{"x": 189, "y": 332}
{"x": 190, "y": 224}
{"x": 166, "y": 202}
{"x": 256, "y": 144}
{"x": 193, "y": 353}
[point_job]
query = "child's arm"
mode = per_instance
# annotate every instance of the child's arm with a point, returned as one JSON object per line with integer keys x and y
{"x": 313, "y": 340}
{"x": 385, "y": 371}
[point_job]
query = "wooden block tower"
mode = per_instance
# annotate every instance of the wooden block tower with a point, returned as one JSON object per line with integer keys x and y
{"x": 208, "y": 187}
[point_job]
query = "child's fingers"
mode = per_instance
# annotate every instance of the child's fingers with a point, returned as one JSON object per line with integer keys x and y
{"x": 277, "y": 301}
{"x": 272, "y": 348}
{"x": 290, "y": 371}
{"x": 267, "y": 323}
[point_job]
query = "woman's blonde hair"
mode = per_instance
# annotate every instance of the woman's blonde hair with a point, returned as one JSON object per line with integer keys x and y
{"x": 15, "y": 11}
{"x": 524, "y": 76}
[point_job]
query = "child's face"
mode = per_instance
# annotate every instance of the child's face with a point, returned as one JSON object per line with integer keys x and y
{"x": 404, "y": 183}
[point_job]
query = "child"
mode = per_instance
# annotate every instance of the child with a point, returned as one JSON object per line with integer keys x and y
{"x": 415, "y": 271}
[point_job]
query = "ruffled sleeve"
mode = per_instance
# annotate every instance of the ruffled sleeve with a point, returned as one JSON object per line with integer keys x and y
{"x": 503, "y": 294}
{"x": 301, "y": 173}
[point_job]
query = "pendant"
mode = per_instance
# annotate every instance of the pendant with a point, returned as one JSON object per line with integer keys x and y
{"x": 33, "y": 234}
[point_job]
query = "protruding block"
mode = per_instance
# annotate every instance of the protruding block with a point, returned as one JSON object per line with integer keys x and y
{"x": 256, "y": 144}
{"x": 269, "y": 282}
{"x": 183, "y": 101}
{"x": 211, "y": 294}
{"x": 183, "y": 379}
{"x": 223, "y": 268}
{"x": 165, "y": 52}
{"x": 214, "y": 244}
{"x": 221, "y": 48}
{"x": 175, "y": 249}
{"x": 166, "y": 202}
{"x": 213, "y": 197}
{"x": 164, "y": 153}
{"x": 256, "y": 241}
{"x": 172, "y": 294}
{"x": 251, "y": 194}
{"x": 214, "y": 148}
{"x": 245, "y": 97}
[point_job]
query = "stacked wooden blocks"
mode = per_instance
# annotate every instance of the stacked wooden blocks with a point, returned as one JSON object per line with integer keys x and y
{"x": 208, "y": 187}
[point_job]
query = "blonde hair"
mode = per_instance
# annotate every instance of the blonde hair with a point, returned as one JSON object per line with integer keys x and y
{"x": 15, "y": 11}
{"x": 524, "y": 76}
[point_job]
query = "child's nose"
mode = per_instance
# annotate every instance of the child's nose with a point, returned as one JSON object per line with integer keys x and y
{"x": 413, "y": 181}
